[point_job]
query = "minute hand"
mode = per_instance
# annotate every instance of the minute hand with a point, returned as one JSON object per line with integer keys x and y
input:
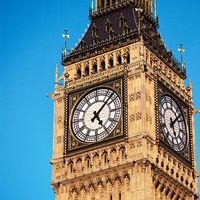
{"x": 96, "y": 114}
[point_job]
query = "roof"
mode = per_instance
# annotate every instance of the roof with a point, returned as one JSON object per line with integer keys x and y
{"x": 87, "y": 43}
{"x": 98, "y": 36}
{"x": 114, "y": 18}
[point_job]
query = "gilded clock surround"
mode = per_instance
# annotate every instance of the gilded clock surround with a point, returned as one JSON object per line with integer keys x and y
{"x": 172, "y": 123}
{"x": 118, "y": 84}
{"x": 185, "y": 154}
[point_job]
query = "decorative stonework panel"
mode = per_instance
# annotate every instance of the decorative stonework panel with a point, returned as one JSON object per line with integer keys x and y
{"x": 149, "y": 118}
{"x": 59, "y": 139}
{"x": 135, "y": 96}
{"x": 148, "y": 98}
{"x": 135, "y": 117}
{"x": 59, "y": 119}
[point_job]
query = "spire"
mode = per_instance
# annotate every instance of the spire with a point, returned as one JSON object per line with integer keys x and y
{"x": 189, "y": 88}
{"x": 56, "y": 76}
{"x": 65, "y": 36}
{"x": 181, "y": 51}
{"x": 93, "y": 6}
{"x": 154, "y": 9}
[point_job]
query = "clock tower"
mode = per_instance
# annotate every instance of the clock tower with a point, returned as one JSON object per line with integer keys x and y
{"x": 123, "y": 118}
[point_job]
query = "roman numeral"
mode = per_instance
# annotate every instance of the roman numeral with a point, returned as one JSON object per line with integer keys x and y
{"x": 112, "y": 110}
{"x": 77, "y": 121}
{"x": 105, "y": 129}
{"x": 112, "y": 120}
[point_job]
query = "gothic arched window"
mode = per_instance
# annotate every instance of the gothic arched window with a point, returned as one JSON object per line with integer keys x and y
{"x": 103, "y": 65}
{"x": 111, "y": 62}
{"x": 121, "y": 21}
{"x": 94, "y": 68}
{"x": 87, "y": 70}
{"x": 128, "y": 58}
{"x": 78, "y": 73}
{"x": 102, "y": 3}
{"x": 108, "y": 26}
{"x": 119, "y": 59}
{"x": 120, "y": 196}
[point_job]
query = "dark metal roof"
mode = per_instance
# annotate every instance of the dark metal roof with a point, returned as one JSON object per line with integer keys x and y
{"x": 148, "y": 29}
{"x": 113, "y": 18}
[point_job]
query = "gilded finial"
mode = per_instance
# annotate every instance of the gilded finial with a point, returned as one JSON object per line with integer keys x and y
{"x": 92, "y": 5}
{"x": 155, "y": 9}
{"x": 181, "y": 50}
{"x": 190, "y": 84}
{"x": 65, "y": 36}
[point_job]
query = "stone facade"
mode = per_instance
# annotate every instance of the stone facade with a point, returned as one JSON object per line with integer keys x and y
{"x": 136, "y": 166}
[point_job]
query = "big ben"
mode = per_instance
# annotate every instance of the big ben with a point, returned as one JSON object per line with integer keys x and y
{"x": 123, "y": 118}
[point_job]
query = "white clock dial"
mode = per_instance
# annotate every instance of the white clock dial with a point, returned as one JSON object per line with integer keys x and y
{"x": 96, "y": 115}
{"x": 172, "y": 123}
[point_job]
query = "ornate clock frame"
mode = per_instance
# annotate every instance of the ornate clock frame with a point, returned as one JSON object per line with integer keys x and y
{"x": 185, "y": 155}
{"x": 71, "y": 144}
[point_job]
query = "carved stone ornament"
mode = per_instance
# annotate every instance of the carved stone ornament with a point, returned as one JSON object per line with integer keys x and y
{"x": 59, "y": 139}
{"x": 135, "y": 96}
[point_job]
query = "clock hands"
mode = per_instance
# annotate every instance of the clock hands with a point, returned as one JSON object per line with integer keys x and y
{"x": 174, "y": 121}
{"x": 96, "y": 114}
{"x": 172, "y": 125}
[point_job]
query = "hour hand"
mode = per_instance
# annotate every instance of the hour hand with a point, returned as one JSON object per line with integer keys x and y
{"x": 172, "y": 126}
{"x": 96, "y": 116}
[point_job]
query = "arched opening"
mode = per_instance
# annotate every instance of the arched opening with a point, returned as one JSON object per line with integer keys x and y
{"x": 94, "y": 68}
{"x": 108, "y": 26}
{"x": 102, "y": 3}
{"x": 120, "y": 196}
{"x": 119, "y": 60}
{"x": 128, "y": 58}
{"x": 71, "y": 167}
{"x": 123, "y": 153}
{"x": 111, "y": 62}
{"x": 87, "y": 70}
{"x": 105, "y": 156}
{"x": 103, "y": 65}
{"x": 121, "y": 21}
{"x": 94, "y": 31}
{"x": 78, "y": 73}
{"x": 95, "y": 40}
{"x": 88, "y": 163}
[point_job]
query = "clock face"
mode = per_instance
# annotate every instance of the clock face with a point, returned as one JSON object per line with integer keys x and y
{"x": 172, "y": 123}
{"x": 96, "y": 115}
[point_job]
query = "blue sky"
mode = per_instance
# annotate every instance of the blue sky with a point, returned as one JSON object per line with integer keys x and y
{"x": 30, "y": 47}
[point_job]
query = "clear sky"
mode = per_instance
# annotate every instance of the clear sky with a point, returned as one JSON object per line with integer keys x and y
{"x": 30, "y": 47}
